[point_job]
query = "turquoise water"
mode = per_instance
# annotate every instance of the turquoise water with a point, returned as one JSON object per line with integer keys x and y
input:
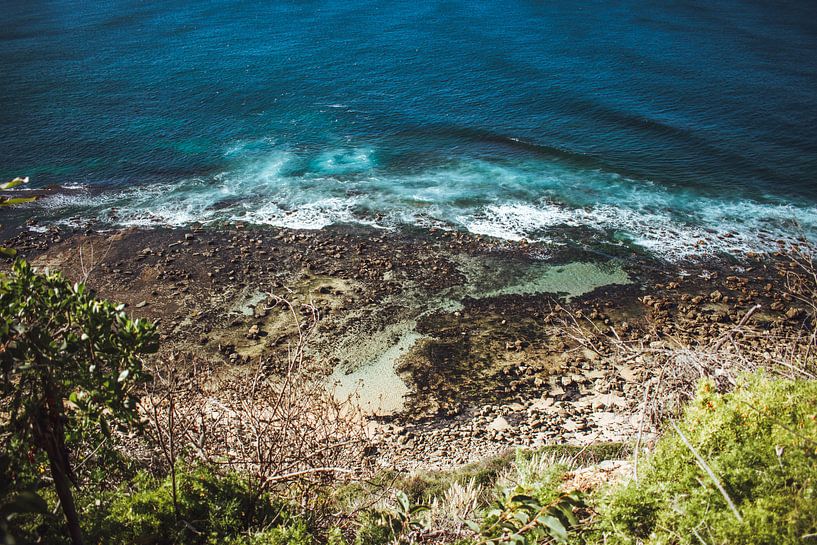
{"x": 681, "y": 129}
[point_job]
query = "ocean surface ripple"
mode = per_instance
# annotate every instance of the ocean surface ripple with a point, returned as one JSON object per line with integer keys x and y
{"x": 676, "y": 129}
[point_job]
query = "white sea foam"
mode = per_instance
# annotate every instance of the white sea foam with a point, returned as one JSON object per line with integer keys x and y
{"x": 309, "y": 215}
{"x": 534, "y": 201}
{"x": 344, "y": 161}
{"x": 74, "y": 186}
{"x": 515, "y": 221}
{"x": 241, "y": 148}
{"x": 719, "y": 227}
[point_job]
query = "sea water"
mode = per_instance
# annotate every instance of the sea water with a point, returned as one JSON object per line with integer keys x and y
{"x": 677, "y": 129}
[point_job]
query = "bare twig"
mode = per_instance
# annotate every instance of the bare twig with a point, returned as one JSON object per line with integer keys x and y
{"x": 280, "y": 424}
{"x": 640, "y": 430}
{"x": 705, "y": 467}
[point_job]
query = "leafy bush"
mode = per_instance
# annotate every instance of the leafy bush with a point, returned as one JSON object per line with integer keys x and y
{"x": 403, "y": 518}
{"x": 68, "y": 367}
{"x": 335, "y": 537}
{"x": 540, "y": 473}
{"x": 213, "y": 509}
{"x": 760, "y": 441}
{"x": 579, "y": 456}
{"x": 372, "y": 530}
{"x": 292, "y": 534}
{"x": 520, "y": 519}
{"x": 12, "y": 507}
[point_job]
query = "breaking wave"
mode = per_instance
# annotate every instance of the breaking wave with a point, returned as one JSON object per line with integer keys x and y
{"x": 533, "y": 200}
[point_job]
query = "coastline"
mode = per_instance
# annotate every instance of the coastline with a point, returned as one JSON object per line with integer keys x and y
{"x": 463, "y": 329}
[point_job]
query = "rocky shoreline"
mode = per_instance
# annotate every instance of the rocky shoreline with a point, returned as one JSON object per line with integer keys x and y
{"x": 468, "y": 332}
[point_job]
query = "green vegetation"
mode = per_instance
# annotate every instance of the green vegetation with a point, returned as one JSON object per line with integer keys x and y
{"x": 17, "y": 505}
{"x": 69, "y": 366}
{"x": 424, "y": 486}
{"x": 211, "y": 509}
{"x": 521, "y": 519}
{"x": 760, "y": 441}
{"x": 11, "y": 253}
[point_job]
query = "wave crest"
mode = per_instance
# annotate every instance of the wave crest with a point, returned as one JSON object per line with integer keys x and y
{"x": 534, "y": 200}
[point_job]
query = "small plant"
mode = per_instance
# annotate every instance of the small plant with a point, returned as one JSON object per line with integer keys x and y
{"x": 11, "y": 253}
{"x": 335, "y": 537}
{"x": 11, "y": 201}
{"x": 13, "y": 183}
{"x": 405, "y": 519}
{"x": 457, "y": 504}
{"x": 520, "y": 519}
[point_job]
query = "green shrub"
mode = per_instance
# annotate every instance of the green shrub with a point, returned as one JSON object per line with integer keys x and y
{"x": 761, "y": 443}
{"x": 517, "y": 518}
{"x": 212, "y": 509}
{"x": 335, "y": 537}
{"x": 291, "y": 534}
{"x": 372, "y": 530}
{"x": 539, "y": 474}
{"x": 70, "y": 365}
{"x": 580, "y": 456}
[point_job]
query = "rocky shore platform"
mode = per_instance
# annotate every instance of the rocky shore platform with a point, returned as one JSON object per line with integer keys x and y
{"x": 455, "y": 346}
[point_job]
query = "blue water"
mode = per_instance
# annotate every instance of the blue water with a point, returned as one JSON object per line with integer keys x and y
{"x": 676, "y": 127}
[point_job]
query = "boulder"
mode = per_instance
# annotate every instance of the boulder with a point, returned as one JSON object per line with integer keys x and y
{"x": 498, "y": 424}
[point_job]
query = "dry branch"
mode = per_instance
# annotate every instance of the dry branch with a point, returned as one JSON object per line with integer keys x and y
{"x": 277, "y": 428}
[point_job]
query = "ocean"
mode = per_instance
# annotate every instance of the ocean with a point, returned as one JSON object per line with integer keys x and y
{"x": 677, "y": 129}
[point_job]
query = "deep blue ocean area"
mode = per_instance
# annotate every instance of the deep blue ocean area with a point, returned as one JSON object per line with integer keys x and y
{"x": 673, "y": 127}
